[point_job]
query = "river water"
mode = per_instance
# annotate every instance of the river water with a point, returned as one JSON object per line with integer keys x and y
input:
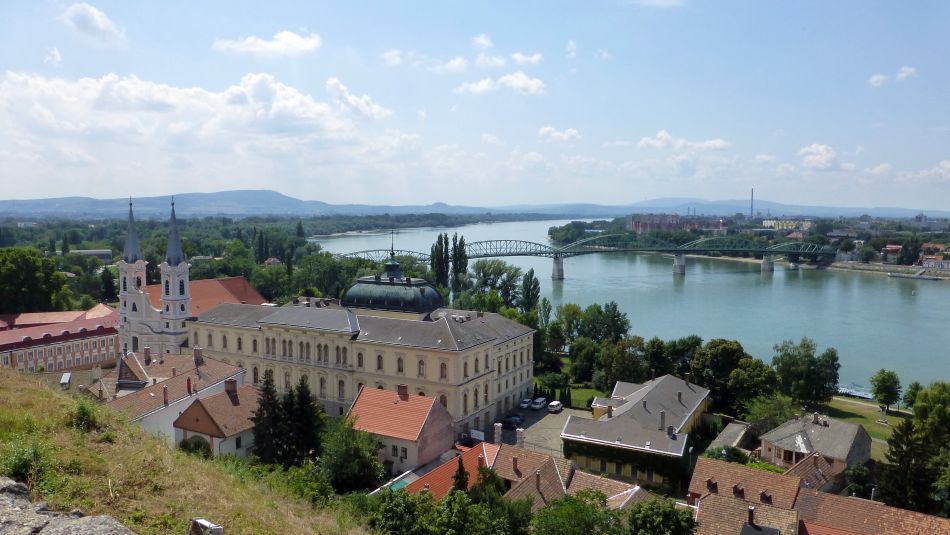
{"x": 873, "y": 321}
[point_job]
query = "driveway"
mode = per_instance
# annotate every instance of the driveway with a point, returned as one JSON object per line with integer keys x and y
{"x": 542, "y": 430}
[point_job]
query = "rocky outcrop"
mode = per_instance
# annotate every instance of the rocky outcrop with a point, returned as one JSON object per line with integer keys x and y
{"x": 20, "y": 516}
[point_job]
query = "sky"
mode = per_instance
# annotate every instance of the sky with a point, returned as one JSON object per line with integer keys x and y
{"x": 479, "y": 103}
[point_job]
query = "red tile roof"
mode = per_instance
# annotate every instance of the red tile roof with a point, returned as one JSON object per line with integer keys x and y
{"x": 209, "y": 293}
{"x": 230, "y": 413}
{"x": 383, "y": 413}
{"x": 719, "y": 515}
{"x": 865, "y": 517}
{"x": 440, "y": 480}
{"x": 712, "y": 476}
{"x": 807, "y": 528}
{"x": 107, "y": 320}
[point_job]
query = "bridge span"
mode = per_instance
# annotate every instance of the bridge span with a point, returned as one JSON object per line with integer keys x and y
{"x": 620, "y": 243}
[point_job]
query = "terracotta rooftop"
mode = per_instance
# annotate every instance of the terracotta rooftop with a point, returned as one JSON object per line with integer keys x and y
{"x": 712, "y": 476}
{"x": 528, "y": 462}
{"x": 807, "y": 528}
{"x": 151, "y": 398}
{"x": 719, "y": 515}
{"x": 814, "y": 470}
{"x": 542, "y": 486}
{"x": 230, "y": 413}
{"x": 857, "y": 515}
{"x": 30, "y": 319}
{"x": 384, "y": 413}
{"x": 37, "y": 334}
{"x": 209, "y": 293}
{"x": 440, "y": 480}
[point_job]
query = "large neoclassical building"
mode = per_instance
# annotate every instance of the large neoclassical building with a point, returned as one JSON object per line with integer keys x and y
{"x": 387, "y": 330}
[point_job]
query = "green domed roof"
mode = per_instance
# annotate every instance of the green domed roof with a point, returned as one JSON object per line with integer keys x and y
{"x": 392, "y": 291}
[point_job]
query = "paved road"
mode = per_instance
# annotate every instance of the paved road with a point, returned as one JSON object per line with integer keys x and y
{"x": 542, "y": 429}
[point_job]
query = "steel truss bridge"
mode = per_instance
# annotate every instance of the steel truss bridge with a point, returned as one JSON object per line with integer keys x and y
{"x": 621, "y": 243}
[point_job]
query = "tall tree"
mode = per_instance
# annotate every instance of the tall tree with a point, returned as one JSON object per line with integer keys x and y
{"x": 530, "y": 291}
{"x": 31, "y": 283}
{"x": 711, "y": 367}
{"x": 768, "y": 412}
{"x": 585, "y": 513}
{"x": 108, "y": 285}
{"x": 681, "y": 352}
{"x": 65, "y": 245}
{"x": 910, "y": 395}
{"x": 583, "y": 357}
{"x": 658, "y": 360}
{"x": 309, "y": 423}
{"x": 886, "y": 388}
{"x": 623, "y": 361}
{"x": 654, "y": 517}
{"x": 544, "y": 313}
{"x": 266, "y": 420}
{"x": 805, "y": 377}
{"x": 299, "y": 230}
{"x": 907, "y": 482}
{"x": 460, "y": 479}
{"x": 459, "y": 262}
{"x": 751, "y": 378}
{"x": 616, "y": 323}
{"x": 350, "y": 460}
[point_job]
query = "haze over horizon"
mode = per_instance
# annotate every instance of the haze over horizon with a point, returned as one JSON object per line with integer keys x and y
{"x": 611, "y": 102}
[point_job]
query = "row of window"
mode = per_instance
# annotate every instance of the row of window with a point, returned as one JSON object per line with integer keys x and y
{"x": 75, "y": 347}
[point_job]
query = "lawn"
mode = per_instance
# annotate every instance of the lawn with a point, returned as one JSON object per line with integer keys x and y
{"x": 866, "y": 414}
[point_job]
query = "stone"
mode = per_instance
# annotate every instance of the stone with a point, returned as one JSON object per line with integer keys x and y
{"x": 19, "y": 516}
{"x": 87, "y": 525}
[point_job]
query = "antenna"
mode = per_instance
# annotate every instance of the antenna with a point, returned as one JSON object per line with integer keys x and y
{"x": 392, "y": 242}
{"x": 752, "y": 204}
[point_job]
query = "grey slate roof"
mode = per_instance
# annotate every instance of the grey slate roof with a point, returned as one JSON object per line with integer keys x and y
{"x": 174, "y": 254}
{"x": 837, "y": 440}
{"x": 325, "y": 319}
{"x": 636, "y": 425}
{"x": 235, "y": 315}
{"x": 132, "y": 251}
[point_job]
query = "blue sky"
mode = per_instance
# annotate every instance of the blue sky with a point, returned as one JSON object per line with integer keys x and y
{"x": 835, "y": 103}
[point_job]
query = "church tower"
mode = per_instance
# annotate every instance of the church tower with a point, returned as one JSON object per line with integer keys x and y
{"x": 133, "y": 301}
{"x": 176, "y": 299}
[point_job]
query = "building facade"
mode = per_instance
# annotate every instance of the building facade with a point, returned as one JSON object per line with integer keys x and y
{"x": 88, "y": 340}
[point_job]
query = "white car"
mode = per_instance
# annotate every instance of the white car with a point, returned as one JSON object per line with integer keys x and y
{"x": 525, "y": 403}
{"x": 555, "y": 406}
{"x": 539, "y": 404}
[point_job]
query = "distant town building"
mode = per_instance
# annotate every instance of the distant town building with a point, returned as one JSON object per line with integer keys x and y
{"x": 102, "y": 254}
{"x": 59, "y": 341}
{"x": 788, "y": 224}
{"x": 648, "y": 223}
{"x": 938, "y": 262}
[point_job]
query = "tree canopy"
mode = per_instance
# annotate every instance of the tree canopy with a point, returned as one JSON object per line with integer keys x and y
{"x": 807, "y": 378}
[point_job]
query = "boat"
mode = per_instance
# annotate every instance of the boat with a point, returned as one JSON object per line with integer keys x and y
{"x": 914, "y": 276}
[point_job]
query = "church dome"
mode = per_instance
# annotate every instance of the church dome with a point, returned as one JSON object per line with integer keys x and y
{"x": 391, "y": 291}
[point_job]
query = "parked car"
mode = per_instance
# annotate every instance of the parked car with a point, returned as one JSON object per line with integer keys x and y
{"x": 516, "y": 417}
{"x": 539, "y": 404}
{"x": 525, "y": 403}
{"x": 512, "y": 421}
{"x": 555, "y": 406}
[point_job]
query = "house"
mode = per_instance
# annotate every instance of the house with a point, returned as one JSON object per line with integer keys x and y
{"x": 156, "y": 407}
{"x": 721, "y": 515}
{"x": 527, "y": 474}
{"x": 841, "y": 443}
{"x": 712, "y": 477}
{"x": 816, "y": 473}
{"x": 639, "y": 433}
{"x": 413, "y": 430}
{"x": 221, "y": 421}
{"x": 822, "y": 513}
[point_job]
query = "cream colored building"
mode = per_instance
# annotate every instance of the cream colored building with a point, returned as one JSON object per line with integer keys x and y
{"x": 479, "y": 366}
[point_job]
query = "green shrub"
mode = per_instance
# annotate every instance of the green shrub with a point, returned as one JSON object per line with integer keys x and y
{"x": 196, "y": 445}
{"x": 84, "y": 415}
{"x": 766, "y": 467}
{"x": 107, "y": 437}
{"x": 25, "y": 460}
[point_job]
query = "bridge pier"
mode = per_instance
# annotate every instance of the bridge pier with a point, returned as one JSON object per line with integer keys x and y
{"x": 557, "y": 273}
{"x": 768, "y": 263}
{"x": 679, "y": 264}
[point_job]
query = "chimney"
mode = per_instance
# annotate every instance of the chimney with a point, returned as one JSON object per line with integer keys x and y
{"x": 751, "y": 515}
{"x": 199, "y": 358}
{"x": 519, "y": 434}
{"x": 481, "y": 461}
{"x": 189, "y": 385}
{"x": 514, "y": 465}
{"x": 644, "y": 404}
{"x": 498, "y": 433}
{"x": 165, "y": 395}
{"x": 814, "y": 417}
{"x": 154, "y": 380}
{"x": 662, "y": 420}
{"x": 148, "y": 355}
{"x": 403, "y": 391}
{"x": 425, "y": 487}
{"x": 174, "y": 371}
{"x": 230, "y": 386}
{"x": 679, "y": 396}
{"x": 537, "y": 479}
{"x": 610, "y": 411}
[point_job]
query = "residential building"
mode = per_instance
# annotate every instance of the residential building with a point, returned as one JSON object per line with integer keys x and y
{"x": 720, "y": 515}
{"x": 939, "y": 262}
{"x": 822, "y": 513}
{"x": 413, "y": 430}
{"x": 816, "y": 473}
{"x": 649, "y": 223}
{"x": 222, "y": 421}
{"x": 733, "y": 480}
{"x": 386, "y": 332}
{"x": 841, "y": 443}
{"x": 59, "y": 341}
{"x": 641, "y": 432}
{"x": 156, "y": 407}
{"x": 788, "y": 224}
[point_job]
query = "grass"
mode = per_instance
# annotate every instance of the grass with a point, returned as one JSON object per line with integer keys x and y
{"x": 74, "y": 456}
{"x": 879, "y": 452}
{"x": 866, "y": 414}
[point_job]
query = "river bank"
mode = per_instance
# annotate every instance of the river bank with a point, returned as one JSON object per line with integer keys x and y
{"x": 884, "y": 269}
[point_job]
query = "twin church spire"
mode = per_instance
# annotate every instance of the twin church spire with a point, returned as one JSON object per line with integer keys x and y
{"x": 174, "y": 254}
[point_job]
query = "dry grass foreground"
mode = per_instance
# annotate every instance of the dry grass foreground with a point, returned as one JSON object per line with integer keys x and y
{"x": 121, "y": 471}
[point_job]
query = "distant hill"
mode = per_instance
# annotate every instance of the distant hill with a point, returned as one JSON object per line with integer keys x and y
{"x": 244, "y": 203}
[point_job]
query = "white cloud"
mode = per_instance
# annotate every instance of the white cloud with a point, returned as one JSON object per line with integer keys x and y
{"x": 92, "y": 23}
{"x": 482, "y": 41}
{"x": 848, "y": 166}
{"x": 904, "y": 73}
{"x": 284, "y": 43}
{"x": 487, "y": 61}
{"x": 818, "y": 156}
{"x": 392, "y": 57}
{"x": 53, "y": 57}
{"x": 363, "y": 105}
{"x": 570, "y": 51}
{"x": 665, "y": 140}
{"x": 422, "y": 114}
{"x": 939, "y": 174}
{"x": 549, "y": 133}
{"x": 602, "y": 54}
{"x": 526, "y": 59}
{"x": 491, "y": 139}
{"x": 455, "y": 65}
{"x": 764, "y": 158}
{"x": 882, "y": 169}
{"x": 877, "y": 80}
{"x": 518, "y": 82}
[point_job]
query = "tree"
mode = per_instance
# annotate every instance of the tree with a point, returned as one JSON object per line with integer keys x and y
{"x": 309, "y": 423}
{"x": 660, "y": 517}
{"x": 544, "y": 313}
{"x": 932, "y": 413}
{"x": 65, "y": 246}
{"x": 569, "y": 316}
{"x": 585, "y": 513}
{"x": 349, "y": 459}
{"x": 711, "y": 367}
{"x": 530, "y": 291}
{"x": 271, "y": 281}
{"x": 857, "y": 479}
{"x": 751, "y": 379}
{"x": 459, "y": 262}
{"x": 623, "y": 361}
{"x": 460, "y": 479}
{"x": 299, "y": 230}
{"x": 910, "y": 395}
{"x": 554, "y": 337}
{"x": 866, "y": 254}
{"x": 31, "y": 283}
{"x": 108, "y": 285}
{"x": 680, "y": 353}
{"x": 768, "y": 412}
{"x": 267, "y": 421}
{"x": 886, "y": 388}
{"x": 583, "y": 357}
{"x": 806, "y": 378}
{"x": 616, "y": 323}
{"x": 657, "y": 359}
{"x": 907, "y": 482}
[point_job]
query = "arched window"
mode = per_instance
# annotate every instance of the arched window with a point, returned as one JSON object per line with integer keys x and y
{"x": 465, "y": 370}
{"x": 308, "y": 351}
{"x": 300, "y": 353}
{"x": 465, "y": 403}
{"x": 507, "y": 362}
{"x": 443, "y": 401}
{"x": 240, "y": 344}
{"x": 256, "y": 375}
{"x": 166, "y": 308}
{"x": 359, "y": 360}
{"x": 305, "y": 379}
{"x": 181, "y": 287}
{"x": 290, "y": 348}
{"x": 125, "y": 284}
{"x": 422, "y": 368}
{"x": 283, "y": 348}
{"x": 134, "y": 308}
{"x": 337, "y": 354}
{"x": 443, "y": 371}
{"x": 379, "y": 362}
{"x": 475, "y": 398}
{"x": 138, "y": 282}
{"x": 224, "y": 342}
{"x": 421, "y": 393}
{"x": 210, "y": 344}
{"x": 196, "y": 338}
{"x": 326, "y": 353}
{"x": 254, "y": 346}
{"x": 486, "y": 361}
{"x": 344, "y": 356}
{"x": 340, "y": 389}
{"x": 287, "y": 385}
{"x": 485, "y": 394}
{"x": 359, "y": 386}
{"x": 476, "y": 365}
{"x": 323, "y": 387}
{"x": 167, "y": 286}
{"x": 399, "y": 366}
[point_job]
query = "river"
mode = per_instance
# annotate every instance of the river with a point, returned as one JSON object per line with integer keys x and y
{"x": 873, "y": 321}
